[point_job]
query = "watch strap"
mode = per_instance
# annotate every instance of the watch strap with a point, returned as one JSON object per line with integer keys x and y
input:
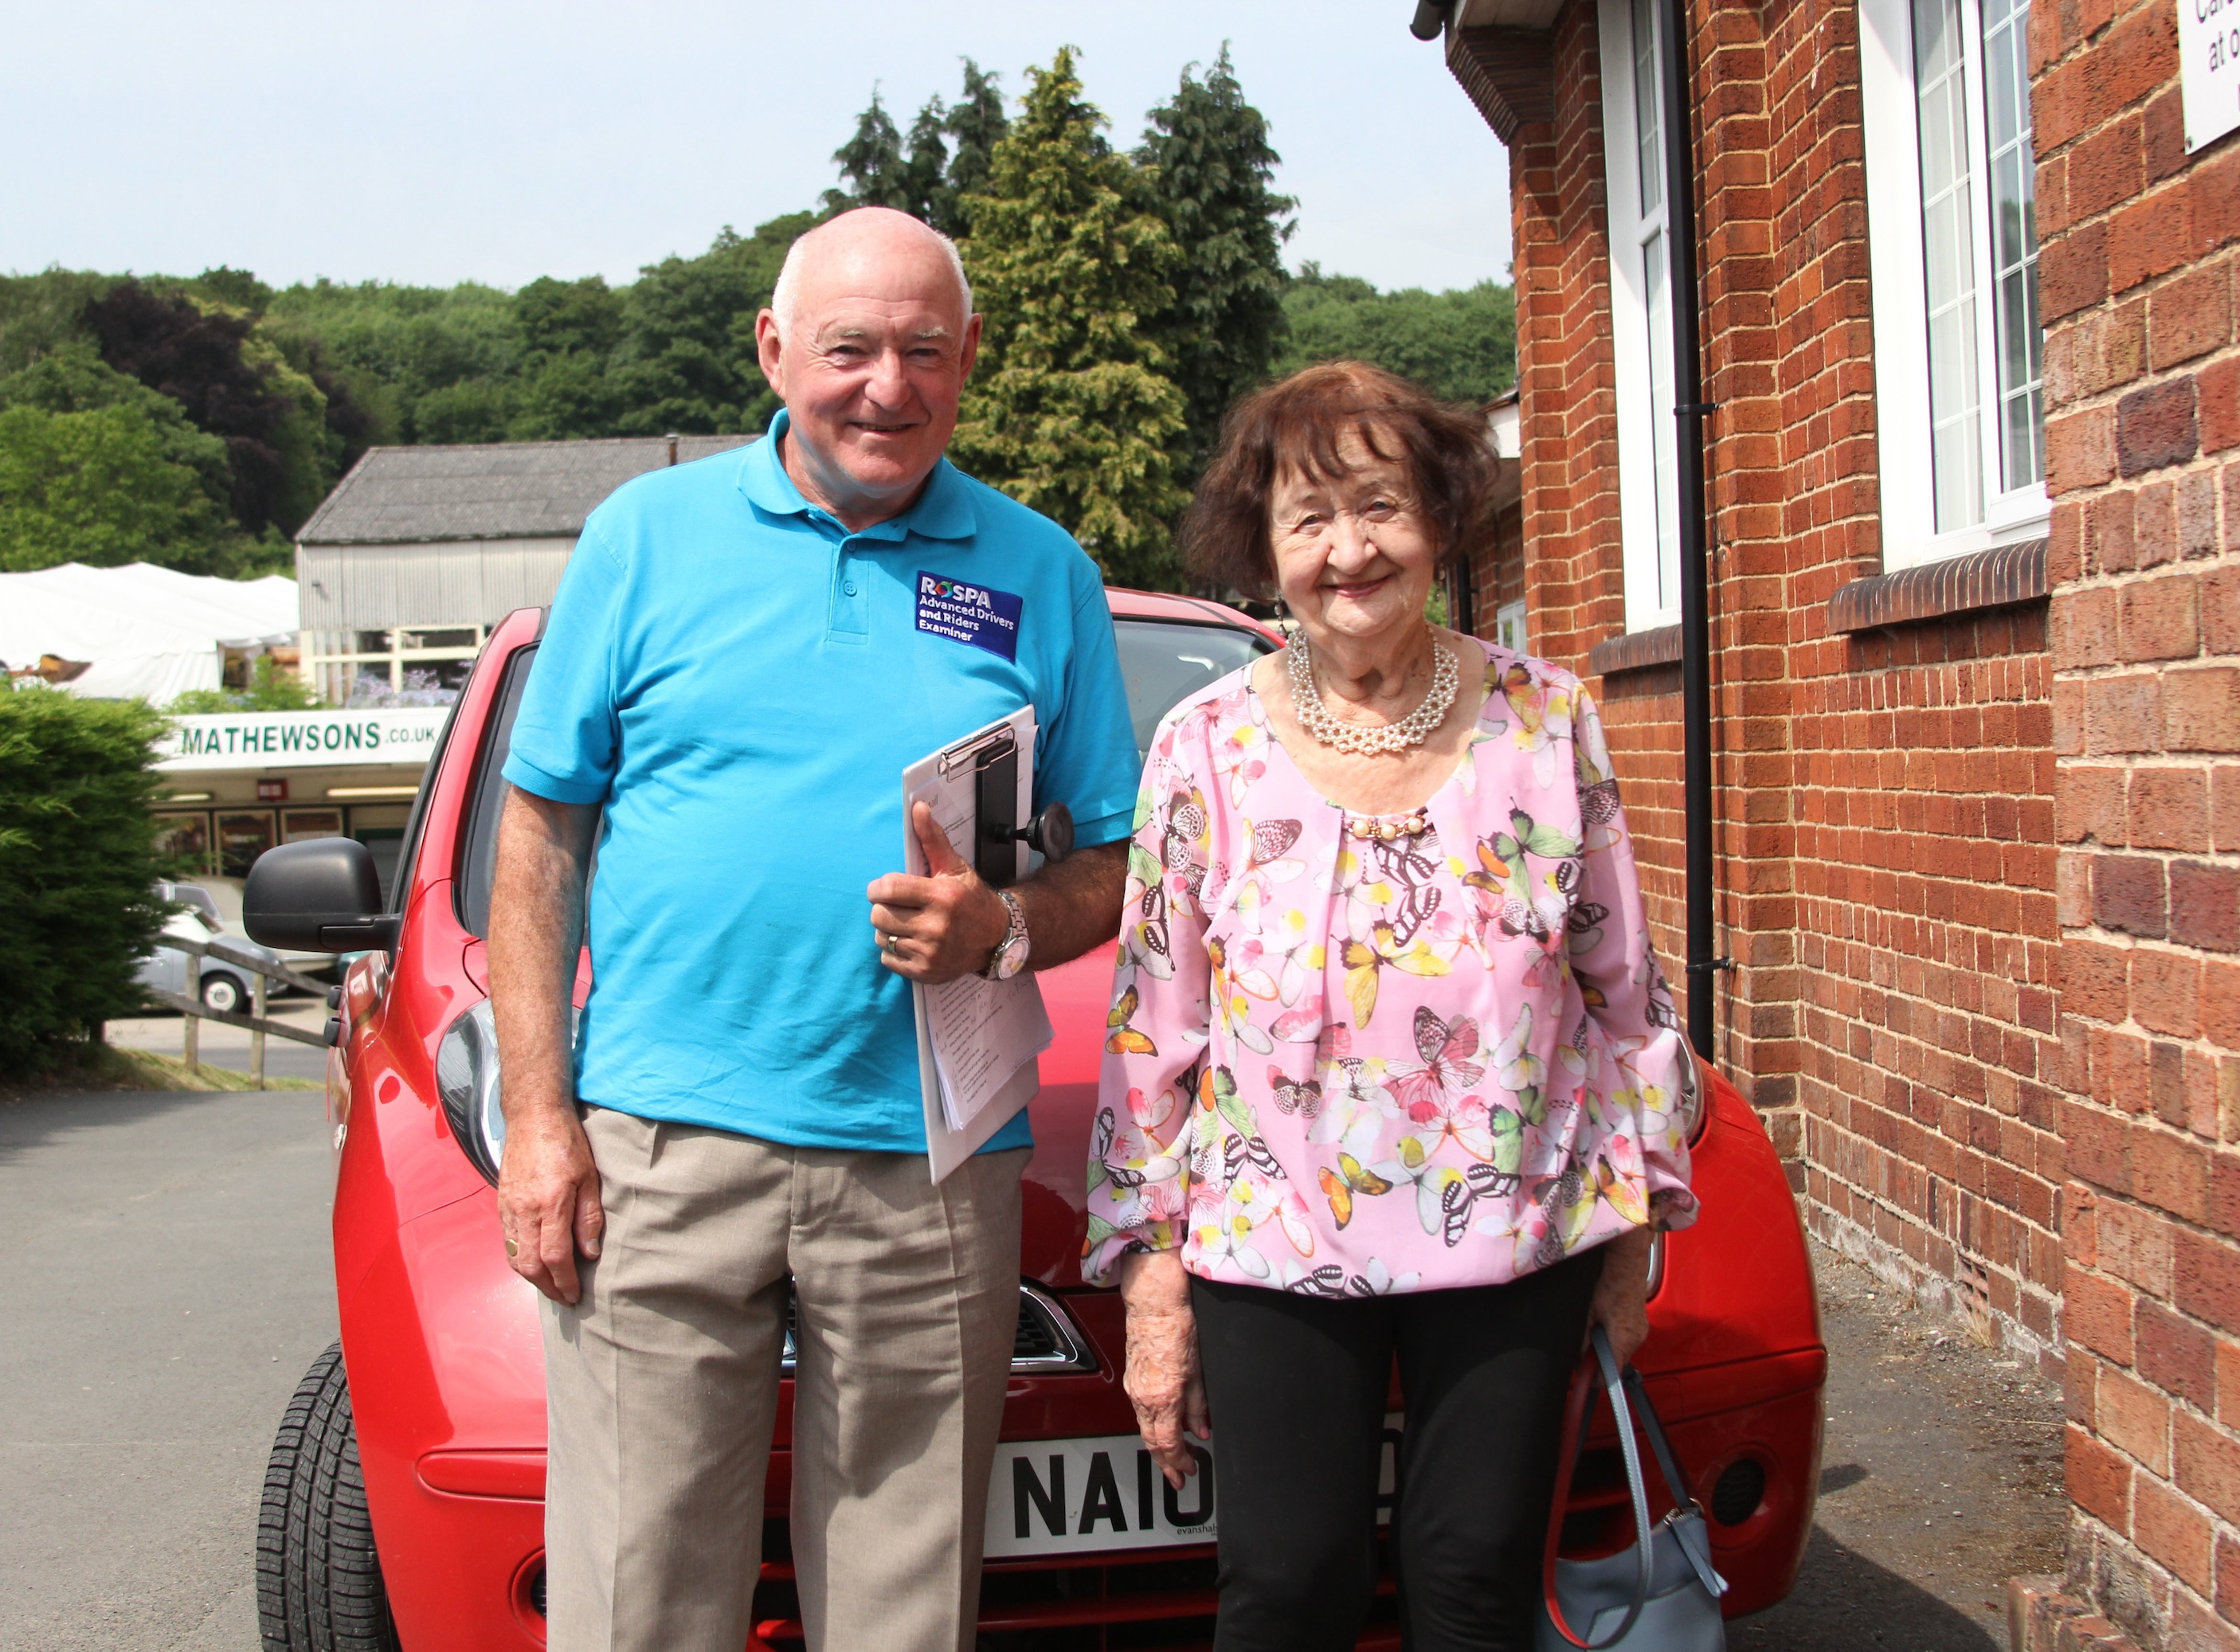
{"x": 1014, "y": 931}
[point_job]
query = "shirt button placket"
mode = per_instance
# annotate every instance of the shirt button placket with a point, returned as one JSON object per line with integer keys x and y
{"x": 850, "y": 607}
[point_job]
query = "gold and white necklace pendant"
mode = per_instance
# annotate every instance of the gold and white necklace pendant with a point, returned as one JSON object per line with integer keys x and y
{"x": 1384, "y": 828}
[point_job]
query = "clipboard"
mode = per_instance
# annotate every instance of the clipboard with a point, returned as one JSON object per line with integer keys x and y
{"x": 990, "y": 1032}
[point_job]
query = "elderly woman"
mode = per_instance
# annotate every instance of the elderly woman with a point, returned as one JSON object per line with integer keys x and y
{"x": 1392, "y": 1072}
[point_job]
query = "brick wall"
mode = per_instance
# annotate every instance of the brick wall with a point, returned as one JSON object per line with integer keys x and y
{"x": 1884, "y": 799}
{"x": 2143, "y": 440}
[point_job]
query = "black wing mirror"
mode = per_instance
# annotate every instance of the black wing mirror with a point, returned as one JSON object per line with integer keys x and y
{"x": 321, "y": 895}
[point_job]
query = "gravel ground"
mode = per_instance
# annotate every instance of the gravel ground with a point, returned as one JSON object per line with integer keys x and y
{"x": 1940, "y": 1478}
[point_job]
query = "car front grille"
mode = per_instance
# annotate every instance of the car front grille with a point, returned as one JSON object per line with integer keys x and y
{"x": 1046, "y": 1342}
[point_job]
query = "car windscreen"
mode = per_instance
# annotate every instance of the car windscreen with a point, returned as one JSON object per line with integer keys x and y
{"x": 1160, "y": 661}
{"x": 1164, "y": 661}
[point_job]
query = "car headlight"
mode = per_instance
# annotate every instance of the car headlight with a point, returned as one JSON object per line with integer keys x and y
{"x": 467, "y": 1078}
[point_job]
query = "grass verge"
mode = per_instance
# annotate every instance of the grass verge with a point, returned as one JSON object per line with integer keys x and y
{"x": 107, "y": 1067}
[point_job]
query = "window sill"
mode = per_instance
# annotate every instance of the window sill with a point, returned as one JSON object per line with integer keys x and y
{"x": 1635, "y": 650}
{"x": 1981, "y": 579}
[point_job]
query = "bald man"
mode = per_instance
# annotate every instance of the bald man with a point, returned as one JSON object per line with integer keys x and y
{"x": 743, "y": 655}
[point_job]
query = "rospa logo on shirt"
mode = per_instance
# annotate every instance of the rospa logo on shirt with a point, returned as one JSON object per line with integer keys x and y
{"x": 953, "y": 591}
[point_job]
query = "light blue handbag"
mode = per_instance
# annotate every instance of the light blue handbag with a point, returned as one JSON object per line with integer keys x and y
{"x": 1660, "y": 1596}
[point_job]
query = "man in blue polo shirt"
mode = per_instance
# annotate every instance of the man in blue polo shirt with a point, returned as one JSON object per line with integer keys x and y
{"x": 744, "y": 654}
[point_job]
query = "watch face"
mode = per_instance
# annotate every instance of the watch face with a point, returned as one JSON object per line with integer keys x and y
{"x": 1011, "y": 960}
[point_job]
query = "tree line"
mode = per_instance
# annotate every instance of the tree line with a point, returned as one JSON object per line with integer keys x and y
{"x": 1131, "y": 296}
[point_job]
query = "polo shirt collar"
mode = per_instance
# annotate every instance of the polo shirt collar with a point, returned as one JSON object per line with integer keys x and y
{"x": 942, "y": 511}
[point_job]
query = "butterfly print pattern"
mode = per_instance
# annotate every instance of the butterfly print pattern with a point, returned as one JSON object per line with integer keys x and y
{"x": 1353, "y": 1066}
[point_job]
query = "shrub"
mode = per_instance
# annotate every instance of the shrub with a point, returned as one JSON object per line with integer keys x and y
{"x": 78, "y": 864}
{"x": 269, "y": 690}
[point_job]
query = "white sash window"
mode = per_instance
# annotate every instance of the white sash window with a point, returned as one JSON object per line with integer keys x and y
{"x": 1953, "y": 251}
{"x": 1641, "y": 311}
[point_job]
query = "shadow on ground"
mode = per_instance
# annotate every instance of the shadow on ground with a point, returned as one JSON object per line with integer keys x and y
{"x": 40, "y": 1118}
{"x": 1844, "y": 1602}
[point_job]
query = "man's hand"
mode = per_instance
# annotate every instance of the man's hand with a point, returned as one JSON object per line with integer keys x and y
{"x": 548, "y": 1199}
{"x": 949, "y": 924}
{"x": 936, "y": 928}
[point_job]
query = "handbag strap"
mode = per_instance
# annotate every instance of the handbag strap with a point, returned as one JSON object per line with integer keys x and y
{"x": 1676, "y": 1478}
{"x": 1574, "y": 1431}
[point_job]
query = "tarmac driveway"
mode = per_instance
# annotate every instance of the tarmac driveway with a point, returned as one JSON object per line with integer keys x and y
{"x": 165, "y": 1281}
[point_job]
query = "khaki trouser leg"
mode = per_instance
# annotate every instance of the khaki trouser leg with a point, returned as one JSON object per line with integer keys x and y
{"x": 909, "y": 1298}
{"x": 662, "y": 1391}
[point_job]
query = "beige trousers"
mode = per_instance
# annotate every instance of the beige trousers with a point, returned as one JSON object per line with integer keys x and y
{"x": 662, "y": 1387}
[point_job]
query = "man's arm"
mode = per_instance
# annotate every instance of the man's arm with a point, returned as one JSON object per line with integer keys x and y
{"x": 548, "y": 1189}
{"x": 947, "y": 925}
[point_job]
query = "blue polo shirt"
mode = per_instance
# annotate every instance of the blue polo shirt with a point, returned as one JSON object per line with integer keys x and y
{"x": 740, "y": 681}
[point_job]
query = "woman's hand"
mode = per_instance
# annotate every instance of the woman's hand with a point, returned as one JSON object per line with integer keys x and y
{"x": 1621, "y": 1304}
{"x": 1163, "y": 1380}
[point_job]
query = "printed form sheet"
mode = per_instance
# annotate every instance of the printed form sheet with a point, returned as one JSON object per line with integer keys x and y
{"x": 977, "y": 1039}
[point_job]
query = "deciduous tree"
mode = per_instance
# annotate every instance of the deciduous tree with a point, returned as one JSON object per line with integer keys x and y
{"x": 1461, "y": 344}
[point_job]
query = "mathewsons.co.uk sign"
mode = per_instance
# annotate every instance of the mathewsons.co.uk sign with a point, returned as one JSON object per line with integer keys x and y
{"x": 301, "y": 739}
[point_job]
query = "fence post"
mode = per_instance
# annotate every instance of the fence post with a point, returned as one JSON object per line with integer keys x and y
{"x": 192, "y": 1038}
{"x": 256, "y": 1037}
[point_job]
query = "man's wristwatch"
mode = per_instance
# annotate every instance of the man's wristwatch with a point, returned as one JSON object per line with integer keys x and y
{"x": 1012, "y": 951}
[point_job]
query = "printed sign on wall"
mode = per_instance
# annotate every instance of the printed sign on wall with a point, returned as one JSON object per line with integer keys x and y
{"x": 301, "y": 739}
{"x": 2209, "y": 68}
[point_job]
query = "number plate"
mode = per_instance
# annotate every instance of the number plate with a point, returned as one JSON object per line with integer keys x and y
{"x": 1083, "y": 1497}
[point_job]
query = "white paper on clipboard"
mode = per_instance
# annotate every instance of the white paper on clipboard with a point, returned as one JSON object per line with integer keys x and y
{"x": 977, "y": 1039}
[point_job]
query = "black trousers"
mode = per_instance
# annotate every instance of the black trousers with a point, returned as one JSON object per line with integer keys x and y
{"x": 1297, "y": 1387}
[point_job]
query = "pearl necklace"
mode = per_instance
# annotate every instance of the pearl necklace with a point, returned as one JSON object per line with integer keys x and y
{"x": 1367, "y": 742}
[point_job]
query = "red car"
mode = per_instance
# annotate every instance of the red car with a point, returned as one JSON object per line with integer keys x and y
{"x": 403, "y": 1502}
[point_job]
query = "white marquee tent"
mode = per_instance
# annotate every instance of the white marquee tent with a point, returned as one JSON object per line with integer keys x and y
{"x": 142, "y": 630}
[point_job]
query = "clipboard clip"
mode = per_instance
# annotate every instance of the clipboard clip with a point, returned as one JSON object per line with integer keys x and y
{"x": 992, "y": 758}
{"x": 976, "y": 753}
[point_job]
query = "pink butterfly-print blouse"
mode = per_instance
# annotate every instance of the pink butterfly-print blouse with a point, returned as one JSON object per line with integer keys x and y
{"x": 1349, "y": 1065}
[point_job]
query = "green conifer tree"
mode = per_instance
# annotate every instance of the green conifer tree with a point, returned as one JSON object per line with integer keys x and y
{"x": 925, "y": 167}
{"x": 1071, "y": 410}
{"x": 872, "y": 163}
{"x": 1207, "y": 166}
{"x": 975, "y": 123}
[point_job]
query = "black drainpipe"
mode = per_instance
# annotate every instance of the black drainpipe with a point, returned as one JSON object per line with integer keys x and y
{"x": 1431, "y": 19}
{"x": 1688, "y": 408}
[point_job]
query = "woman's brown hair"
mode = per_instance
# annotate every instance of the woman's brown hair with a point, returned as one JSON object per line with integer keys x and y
{"x": 1302, "y": 421}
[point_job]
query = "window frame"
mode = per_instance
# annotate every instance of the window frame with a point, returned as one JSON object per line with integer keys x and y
{"x": 1646, "y": 499}
{"x": 1895, "y": 240}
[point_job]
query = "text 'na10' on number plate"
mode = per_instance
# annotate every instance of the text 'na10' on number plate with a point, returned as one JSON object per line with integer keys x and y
{"x": 1084, "y": 1496}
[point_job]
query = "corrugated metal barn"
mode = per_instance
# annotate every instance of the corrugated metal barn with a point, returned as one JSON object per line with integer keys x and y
{"x": 420, "y": 551}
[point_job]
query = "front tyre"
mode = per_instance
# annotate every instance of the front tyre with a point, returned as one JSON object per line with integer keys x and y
{"x": 319, "y": 1580}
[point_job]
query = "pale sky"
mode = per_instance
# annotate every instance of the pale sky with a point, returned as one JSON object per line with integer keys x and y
{"x": 433, "y": 141}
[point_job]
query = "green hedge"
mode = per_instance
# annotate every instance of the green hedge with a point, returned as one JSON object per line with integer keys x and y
{"x": 77, "y": 863}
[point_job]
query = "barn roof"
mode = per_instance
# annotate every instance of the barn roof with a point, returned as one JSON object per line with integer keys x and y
{"x": 489, "y": 490}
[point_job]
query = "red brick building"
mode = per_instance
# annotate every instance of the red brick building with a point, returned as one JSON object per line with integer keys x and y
{"x": 1974, "y": 621}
